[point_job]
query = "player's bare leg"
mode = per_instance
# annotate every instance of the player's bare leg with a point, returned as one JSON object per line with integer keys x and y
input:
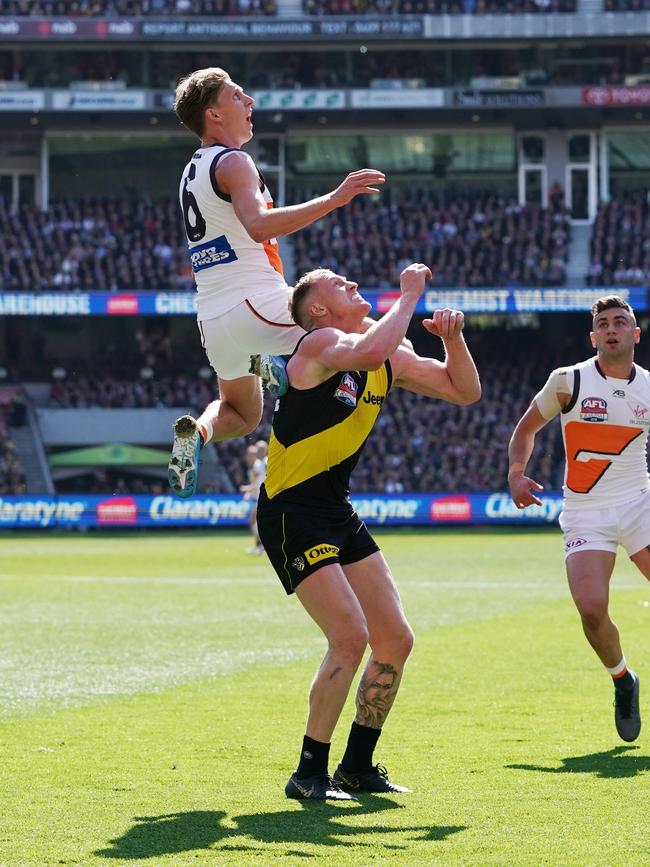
{"x": 328, "y": 599}
{"x": 642, "y": 561}
{"x": 589, "y": 574}
{"x": 237, "y": 412}
{"x": 391, "y": 642}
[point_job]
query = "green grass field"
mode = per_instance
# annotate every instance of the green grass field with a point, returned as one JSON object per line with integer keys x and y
{"x": 153, "y": 697}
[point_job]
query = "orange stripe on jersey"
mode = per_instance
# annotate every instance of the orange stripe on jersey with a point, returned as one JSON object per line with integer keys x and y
{"x": 273, "y": 251}
{"x": 597, "y": 438}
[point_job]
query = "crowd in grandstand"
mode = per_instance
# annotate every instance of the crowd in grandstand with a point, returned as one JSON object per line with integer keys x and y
{"x": 468, "y": 240}
{"x": 109, "y": 244}
{"x": 136, "y": 8}
{"x": 620, "y": 242}
{"x": 133, "y": 244}
{"x": 12, "y": 474}
{"x": 148, "y": 391}
{"x": 435, "y": 7}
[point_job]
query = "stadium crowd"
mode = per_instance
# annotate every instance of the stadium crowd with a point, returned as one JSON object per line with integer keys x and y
{"x": 12, "y": 474}
{"x": 620, "y": 242}
{"x": 469, "y": 240}
{"x": 435, "y": 7}
{"x": 109, "y": 244}
{"x": 133, "y": 244}
{"x": 135, "y": 8}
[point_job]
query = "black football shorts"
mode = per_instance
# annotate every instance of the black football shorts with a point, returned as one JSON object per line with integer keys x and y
{"x": 298, "y": 543}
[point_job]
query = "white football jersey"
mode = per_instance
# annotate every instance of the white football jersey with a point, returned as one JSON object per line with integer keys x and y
{"x": 605, "y": 431}
{"x": 228, "y": 264}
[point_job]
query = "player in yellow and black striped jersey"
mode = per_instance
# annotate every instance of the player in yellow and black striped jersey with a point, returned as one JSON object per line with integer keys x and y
{"x": 339, "y": 377}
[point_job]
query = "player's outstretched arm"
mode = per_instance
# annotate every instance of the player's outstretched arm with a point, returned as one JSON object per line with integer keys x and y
{"x": 456, "y": 380}
{"x": 237, "y": 177}
{"x": 520, "y": 448}
{"x": 329, "y": 349}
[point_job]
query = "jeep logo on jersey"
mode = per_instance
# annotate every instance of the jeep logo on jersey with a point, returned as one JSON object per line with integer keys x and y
{"x": 347, "y": 391}
{"x": 319, "y": 552}
{"x": 377, "y": 399}
{"x": 593, "y": 409}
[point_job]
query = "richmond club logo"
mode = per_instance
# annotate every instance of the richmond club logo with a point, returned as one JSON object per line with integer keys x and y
{"x": 593, "y": 409}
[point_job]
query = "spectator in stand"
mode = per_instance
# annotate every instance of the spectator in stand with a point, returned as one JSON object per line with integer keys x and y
{"x": 136, "y": 8}
{"x": 620, "y": 242}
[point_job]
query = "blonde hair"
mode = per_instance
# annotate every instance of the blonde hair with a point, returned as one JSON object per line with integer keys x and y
{"x": 300, "y": 294}
{"x": 196, "y": 92}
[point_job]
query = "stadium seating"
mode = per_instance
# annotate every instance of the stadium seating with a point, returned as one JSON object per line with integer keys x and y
{"x": 12, "y": 475}
{"x": 136, "y": 8}
{"x": 135, "y": 244}
{"x": 109, "y": 244}
{"x": 421, "y": 7}
{"x": 620, "y": 242}
{"x": 469, "y": 240}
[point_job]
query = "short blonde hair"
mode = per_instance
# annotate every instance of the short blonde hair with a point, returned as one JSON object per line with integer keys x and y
{"x": 195, "y": 93}
{"x": 300, "y": 295}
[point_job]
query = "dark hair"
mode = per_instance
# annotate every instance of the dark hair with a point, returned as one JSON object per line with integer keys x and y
{"x": 195, "y": 93}
{"x": 298, "y": 300}
{"x": 609, "y": 301}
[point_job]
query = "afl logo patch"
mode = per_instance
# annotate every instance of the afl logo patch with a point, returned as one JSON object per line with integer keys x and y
{"x": 593, "y": 409}
{"x": 347, "y": 391}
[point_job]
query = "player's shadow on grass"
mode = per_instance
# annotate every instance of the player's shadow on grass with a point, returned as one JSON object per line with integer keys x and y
{"x": 609, "y": 764}
{"x": 154, "y": 836}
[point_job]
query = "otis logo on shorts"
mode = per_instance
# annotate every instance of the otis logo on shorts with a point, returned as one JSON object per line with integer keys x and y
{"x": 320, "y": 552}
{"x": 593, "y": 409}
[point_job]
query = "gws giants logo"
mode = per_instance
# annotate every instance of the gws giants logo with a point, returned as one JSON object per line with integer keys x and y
{"x": 347, "y": 391}
{"x": 320, "y": 552}
{"x": 593, "y": 409}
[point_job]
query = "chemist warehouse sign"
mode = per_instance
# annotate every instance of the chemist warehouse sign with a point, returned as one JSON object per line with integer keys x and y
{"x": 233, "y": 511}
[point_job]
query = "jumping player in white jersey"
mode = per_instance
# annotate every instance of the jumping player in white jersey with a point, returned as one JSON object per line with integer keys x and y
{"x": 604, "y": 405}
{"x": 232, "y": 227}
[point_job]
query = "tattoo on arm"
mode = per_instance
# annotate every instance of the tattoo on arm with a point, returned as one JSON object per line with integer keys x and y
{"x": 376, "y": 693}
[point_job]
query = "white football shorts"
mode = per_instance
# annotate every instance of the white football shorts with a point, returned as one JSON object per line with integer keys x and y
{"x": 627, "y": 524}
{"x": 260, "y": 325}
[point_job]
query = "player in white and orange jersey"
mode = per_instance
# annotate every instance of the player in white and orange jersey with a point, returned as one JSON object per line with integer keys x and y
{"x": 604, "y": 406}
{"x": 232, "y": 227}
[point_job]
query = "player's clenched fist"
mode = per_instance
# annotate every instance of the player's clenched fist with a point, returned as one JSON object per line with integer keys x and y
{"x": 413, "y": 278}
{"x": 445, "y": 323}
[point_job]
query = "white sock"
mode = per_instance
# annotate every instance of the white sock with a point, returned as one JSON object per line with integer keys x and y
{"x": 206, "y": 430}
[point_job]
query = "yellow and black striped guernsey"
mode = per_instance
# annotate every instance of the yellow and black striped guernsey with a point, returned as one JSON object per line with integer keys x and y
{"x": 318, "y": 434}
